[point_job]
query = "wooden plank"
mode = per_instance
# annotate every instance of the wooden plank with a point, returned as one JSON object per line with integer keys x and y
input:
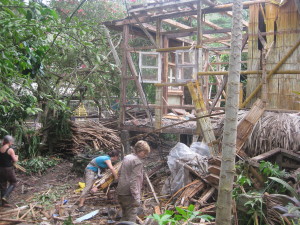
{"x": 214, "y": 170}
{"x": 215, "y": 161}
{"x": 206, "y": 195}
{"x": 205, "y": 123}
{"x": 212, "y": 179}
{"x": 246, "y": 125}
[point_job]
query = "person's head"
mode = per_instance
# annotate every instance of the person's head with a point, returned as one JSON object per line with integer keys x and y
{"x": 141, "y": 149}
{"x": 114, "y": 155}
{"x": 8, "y": 140}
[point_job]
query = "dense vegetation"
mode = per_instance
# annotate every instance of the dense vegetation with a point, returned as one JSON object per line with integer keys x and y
{"x": 51, "y": 54}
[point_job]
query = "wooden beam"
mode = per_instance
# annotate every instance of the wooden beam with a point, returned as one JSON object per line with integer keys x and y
{"x": 208, "y": 73}
{"x": 171, "y": 49}
{"x": 162, "y": 5}
{"x": 137, "y": 83}
{"x": 176, "y": 24}
{"x": 205, "y": 123}
{"x": 211, "y": 9}
{"x": 183, "y": 26}
{"x": 158, "y": 90}
{"x": 186, "y": 32}
{"x": 246, "y": 125}
{"x": 245, "y": 23}
{"x": 144, "y": 29}
{"x": 228, "y": 7}
{"x": 123, "y": 75}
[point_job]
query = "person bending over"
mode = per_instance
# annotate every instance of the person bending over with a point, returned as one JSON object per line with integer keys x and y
{"x": 8, "y": 179}
{"x": 93, "y": 169}
{"x": 131, "y": 180}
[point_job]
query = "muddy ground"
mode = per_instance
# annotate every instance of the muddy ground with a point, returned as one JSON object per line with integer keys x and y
{"x": 49, "y": 191}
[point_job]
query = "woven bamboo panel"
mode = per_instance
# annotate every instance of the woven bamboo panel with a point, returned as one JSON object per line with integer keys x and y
{"x": 253, "y": 52}
{"x": 284, "y": 19}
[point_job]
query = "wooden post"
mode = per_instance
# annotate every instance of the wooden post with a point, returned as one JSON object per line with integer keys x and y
{"x": 123, "y": 75}
{"x": 138, "y": 84}
{"x": 198, "y": 55}
{"x": 264, "y": 76}
{"x": 241, "y": 94}
{"x": 125, "y": 141}
{"x": 159, "y": 90}
{"x": 165, "y": 75}
{"x": 205, "y": 124}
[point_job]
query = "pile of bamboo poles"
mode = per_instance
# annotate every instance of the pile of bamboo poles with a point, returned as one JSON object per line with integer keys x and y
{"x": 92, "y": 136}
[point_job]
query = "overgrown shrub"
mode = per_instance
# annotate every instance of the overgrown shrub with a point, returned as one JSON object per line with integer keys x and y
{"x": 39, "y": 165}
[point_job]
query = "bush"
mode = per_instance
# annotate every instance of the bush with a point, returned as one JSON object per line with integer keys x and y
{"x": 39, "y": 164}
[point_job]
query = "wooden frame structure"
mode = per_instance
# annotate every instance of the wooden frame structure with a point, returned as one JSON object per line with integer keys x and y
{"x": 164, "y": 24}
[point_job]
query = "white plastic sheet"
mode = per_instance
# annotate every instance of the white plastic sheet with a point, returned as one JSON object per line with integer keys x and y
{"x": 180, "y": 155}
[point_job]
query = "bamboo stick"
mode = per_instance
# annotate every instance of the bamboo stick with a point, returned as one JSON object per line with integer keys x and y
{"x": 208, "y": 73}
{"x": 152, "y": 189}
{"x": 290, "y": 52}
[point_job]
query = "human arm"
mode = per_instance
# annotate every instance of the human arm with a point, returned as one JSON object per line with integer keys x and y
{"x": 135, "y": 181}
{"x": 11, "y": 152}
{"x": 112, "y": 169}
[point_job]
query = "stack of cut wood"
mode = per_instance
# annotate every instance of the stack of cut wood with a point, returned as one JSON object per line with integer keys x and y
{"x": 90, "y": 135}
{"x": 201, "y": 192}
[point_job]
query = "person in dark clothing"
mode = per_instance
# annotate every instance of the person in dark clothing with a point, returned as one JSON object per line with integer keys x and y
{"x": 7, "y": 171}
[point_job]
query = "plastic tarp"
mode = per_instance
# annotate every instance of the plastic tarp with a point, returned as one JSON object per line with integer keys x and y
{"x": 196, "y": 157}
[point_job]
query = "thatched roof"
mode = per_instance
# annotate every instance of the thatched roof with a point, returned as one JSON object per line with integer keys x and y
{"x": 273, "y": 130}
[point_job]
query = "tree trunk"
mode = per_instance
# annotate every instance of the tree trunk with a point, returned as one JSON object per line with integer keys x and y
{"x": 224, "y": 203}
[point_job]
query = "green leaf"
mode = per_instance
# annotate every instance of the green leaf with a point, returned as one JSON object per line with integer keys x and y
{"x": 191, "y": 207}
{"x": 287, "y": 186}
{"x": 181, "y": 211}
{"x": 29, "y": 15}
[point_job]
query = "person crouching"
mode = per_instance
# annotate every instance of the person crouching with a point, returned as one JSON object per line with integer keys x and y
{"x": 95, "y": 167}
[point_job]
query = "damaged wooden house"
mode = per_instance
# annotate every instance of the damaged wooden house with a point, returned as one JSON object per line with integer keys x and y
{"x": 178, "y": 51}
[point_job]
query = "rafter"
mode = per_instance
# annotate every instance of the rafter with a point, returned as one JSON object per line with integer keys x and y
{"x": 183, "y": 26}
{"x": 162, "y": 5}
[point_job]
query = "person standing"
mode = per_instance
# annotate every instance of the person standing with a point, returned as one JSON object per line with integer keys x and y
{"x": 93, "y": 169}
{"x": 131, "y": 180}
{"x": 8, "y": 179}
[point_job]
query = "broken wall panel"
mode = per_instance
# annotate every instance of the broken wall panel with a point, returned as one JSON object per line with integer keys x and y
{"x": 282, "y": 29}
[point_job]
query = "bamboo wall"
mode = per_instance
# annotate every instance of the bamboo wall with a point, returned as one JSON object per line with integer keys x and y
{"x": 284, "y": 19}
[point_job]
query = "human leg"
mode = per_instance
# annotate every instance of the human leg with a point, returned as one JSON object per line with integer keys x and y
{"x": 129, "y": 212}
{"x": 89, "y": 181}
{"x": 12, "y": 180}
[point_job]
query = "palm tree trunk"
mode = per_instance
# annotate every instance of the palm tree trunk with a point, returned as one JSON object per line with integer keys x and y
{"x": 224, "y": 203}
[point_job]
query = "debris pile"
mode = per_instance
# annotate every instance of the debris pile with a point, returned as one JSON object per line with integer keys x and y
{"x": 90, "y": 135}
